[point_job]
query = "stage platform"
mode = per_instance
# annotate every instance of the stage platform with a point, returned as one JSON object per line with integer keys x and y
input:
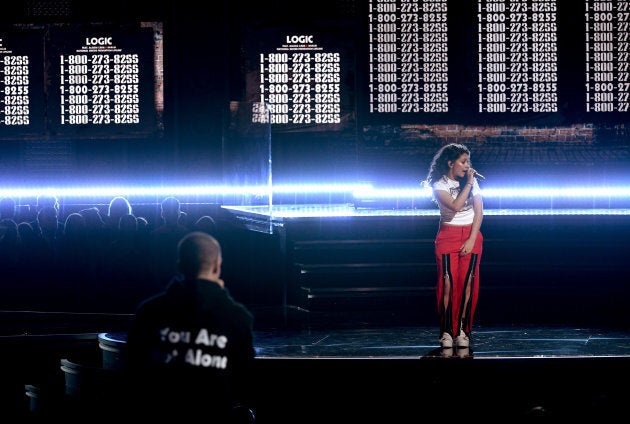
{"x": 539, "y": 266}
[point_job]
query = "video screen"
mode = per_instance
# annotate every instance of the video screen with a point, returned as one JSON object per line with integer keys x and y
{"x": 81, "y": 81}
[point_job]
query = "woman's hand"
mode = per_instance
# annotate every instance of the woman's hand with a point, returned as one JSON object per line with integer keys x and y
{"x": 466, "y": 248}
{"x": 470, "y": 176}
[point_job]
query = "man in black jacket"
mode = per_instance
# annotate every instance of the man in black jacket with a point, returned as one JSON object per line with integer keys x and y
{"x": 191, "y": 347}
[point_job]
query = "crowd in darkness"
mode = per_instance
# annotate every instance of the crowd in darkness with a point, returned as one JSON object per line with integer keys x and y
{"x": 93, "y": 259}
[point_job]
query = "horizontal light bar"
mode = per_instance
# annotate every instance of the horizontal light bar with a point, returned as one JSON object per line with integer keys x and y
{"x": 504, "y": 193}
{"x": 557, "y": 192}
{"x": 358, "y": 191}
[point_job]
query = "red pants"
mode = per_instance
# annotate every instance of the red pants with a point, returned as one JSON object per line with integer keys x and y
{"x": 458, "y": 278}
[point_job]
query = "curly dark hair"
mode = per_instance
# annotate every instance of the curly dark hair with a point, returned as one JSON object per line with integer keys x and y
{"x": 439, "y": 165}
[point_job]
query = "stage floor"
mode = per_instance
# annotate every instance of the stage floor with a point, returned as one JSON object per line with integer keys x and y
{"x": 280, "y": 213}
{"x": 347, "y": 335}
{"x": 417, "y": 342}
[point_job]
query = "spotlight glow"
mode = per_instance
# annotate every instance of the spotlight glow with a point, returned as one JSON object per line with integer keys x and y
{"x": 556, "y": 198}
{"x": 557, "y": 192}
{"x": 391, "y": 193}
{"x": 198, "y": 190}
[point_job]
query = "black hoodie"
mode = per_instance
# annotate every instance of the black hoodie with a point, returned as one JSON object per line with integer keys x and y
{"x": 191, "y": 348}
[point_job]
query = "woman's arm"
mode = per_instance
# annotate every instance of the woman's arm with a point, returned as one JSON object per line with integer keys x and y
{"x": 456, "y": 204}
{"x": 478, "y": 218}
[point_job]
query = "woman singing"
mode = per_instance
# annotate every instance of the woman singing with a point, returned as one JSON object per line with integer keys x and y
{"x": 458, "y": 243}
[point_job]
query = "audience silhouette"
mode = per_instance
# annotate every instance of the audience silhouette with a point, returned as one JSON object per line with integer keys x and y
{"x": 207, "y": 224}
{"x": 81, "y": 261}
{"x": 8, "y": 208}
{"x": 127, "y": 269}
{"x": 43, "y": 201}
{"x": 118, "y": 207}
{"x": 74, "y": 262}
{"x": 164, "y": 238}
{"x": 9, "y": 248}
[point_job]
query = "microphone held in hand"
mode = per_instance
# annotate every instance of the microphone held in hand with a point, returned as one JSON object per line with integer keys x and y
{"x": 478, "y": 175}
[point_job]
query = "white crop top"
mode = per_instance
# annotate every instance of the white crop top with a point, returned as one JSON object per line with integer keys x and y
{"x": 466, "y": 214}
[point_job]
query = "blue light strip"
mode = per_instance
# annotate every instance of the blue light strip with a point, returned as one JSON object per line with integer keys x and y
{"x": 199, "y": 190}
{"x": 361, "y": 193}
{"x": 502, "y": 193}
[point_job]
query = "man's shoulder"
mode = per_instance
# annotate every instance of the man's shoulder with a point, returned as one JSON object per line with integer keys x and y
{"x": 244, "y": 315}
{"x": 238, "y": 307}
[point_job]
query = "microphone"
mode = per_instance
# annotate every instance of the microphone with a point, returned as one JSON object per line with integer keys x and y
{"x": 478, "y": 175}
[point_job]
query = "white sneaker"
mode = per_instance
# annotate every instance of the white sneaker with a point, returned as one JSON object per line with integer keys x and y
{"x": 446, "y": 340}
{"x": 462, "y": 340}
